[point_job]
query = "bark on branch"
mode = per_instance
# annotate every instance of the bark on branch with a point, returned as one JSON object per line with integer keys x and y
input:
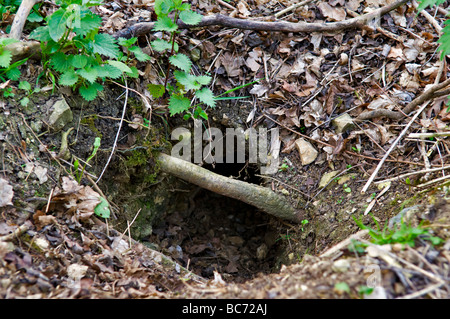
{"x": 258, "y": 196}
{"x": 143, "y": 28}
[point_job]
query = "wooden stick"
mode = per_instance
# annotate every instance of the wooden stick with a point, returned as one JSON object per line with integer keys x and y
{"x": 255, "y": 195}
{"x": 374, "y": 174}
{"x": 142, "y": 28}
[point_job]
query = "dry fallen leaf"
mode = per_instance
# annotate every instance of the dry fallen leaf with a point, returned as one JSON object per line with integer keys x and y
{"x": 6, "y": 193}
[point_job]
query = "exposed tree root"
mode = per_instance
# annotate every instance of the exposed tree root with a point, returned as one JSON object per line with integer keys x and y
{"x": 20, "y": 18}
{"x": 258, "y": 196}
{"x": 143, "y": 28}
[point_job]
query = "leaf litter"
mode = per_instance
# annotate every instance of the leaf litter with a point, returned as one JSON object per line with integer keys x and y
{"x": 309, "y": 80}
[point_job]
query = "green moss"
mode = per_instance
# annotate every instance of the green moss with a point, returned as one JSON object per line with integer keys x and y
{"x": 89, "y": 121}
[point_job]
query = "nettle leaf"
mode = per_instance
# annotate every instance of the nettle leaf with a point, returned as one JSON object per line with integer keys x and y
{"x": 140, "y": 56}
{"x": 187, "y": 80}
{"x": 156, "y": 90}
{"x": 57, "y": 24}
{"x": 41, "y": 34}
{"x": 105, "y": 44}
{"x": 24, "y": 85}
{"x": 178, "y": 104}
{"x": 206, "y": 96}
{"x": 90, "y": 92}
{"x": 5, "y": 58}
{"x": 89, "y": 73}
{"x": 134, "y": 73}
{"x": 161, "y": 45}
{"x": 120, "y": 65}
{"x": 13, "y": 74}
{"x": 127, "y": 42}
{"x": 78, "y": 61}
{"x": 60, "y": 62}
{"x": 68, "y": 78}
{"x": 444, "y": 40}
{"x": 165, "y": 23}
{"x": 87, "y": 23}
{"x": 181, "y": 61}
{"x": 203, "y": 79}
{"x": 163, "y": 7}
{"x": 190, "y": 17}
{"x": 428, "y": 3}
{"x": 6, "y": 41}
{"x": 107, "y": 70}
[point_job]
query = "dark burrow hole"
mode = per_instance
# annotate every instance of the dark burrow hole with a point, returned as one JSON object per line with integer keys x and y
{"x": 218, "y": 233}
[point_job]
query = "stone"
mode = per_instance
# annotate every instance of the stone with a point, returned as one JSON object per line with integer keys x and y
{"x": 307, "y": 152}
{"x": 341, "y": 265}
{"x": 326, "y": 178}
{"x": 343, "y": 123}
{"x": 61, "y": 115}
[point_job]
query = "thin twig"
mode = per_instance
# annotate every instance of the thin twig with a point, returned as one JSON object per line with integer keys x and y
{"x": 117, "y": 135}
{"x": 292, "y": 7}
{"x": 422, "y": 292}
{"x": 413, "y": 173}
{"x": 374, "y": 174}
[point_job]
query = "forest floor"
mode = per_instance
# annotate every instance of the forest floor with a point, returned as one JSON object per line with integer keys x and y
{"x": 206, "y": 245}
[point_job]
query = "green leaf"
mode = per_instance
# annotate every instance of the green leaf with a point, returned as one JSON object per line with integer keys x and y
{"x": 6, "y": 41}
{"x": 187, "y": 80}
{"x": 13, "y": 74}
{"x": 89, "y": 73}
{"x": 35, "y": 17}
{"x": 60, "y": 62}
{"x": 120, "y": 65}
{"x": 163, "y": 7}
{"x": 109, "y": 71}
{"x": 24, "y": 85}
{"x": 156, "y": 90}
{"x": 342, "y": 287}
{"x": 444, "y": 40}
{"x": 190, "y": 17}
{"x": 127, "y": 42}
{"x": 105, "y": 44}
{"x": 5, "y": 58}
{"x": 134, "y": 73}
{"x": 164, "y": 23}
{"x": 79, "y": 61}
{"x": 428, "y": 3}
{"x": 102, "y": 209}
{"x": 203, "y": 79}
{"x": 206, "y": 96}
{"x": 161, "y": 45}
{"x": 89, "y": 92}
{"x": 41, "y": 34}
{"x": 68, "y": 78}
{"x": 57, "y": 23}
{"x": 178, "y": 104}
{"x": 87, "y": 23}
{"x": 140, "y": 56}
{"x": 181, "y": 61}
{"x": 24, "y": 101}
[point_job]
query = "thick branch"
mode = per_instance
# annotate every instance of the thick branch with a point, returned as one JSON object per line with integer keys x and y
{"x": 282, "y": 26}
{"x": 258, "y": 196}
{"x": 21, "y": 18}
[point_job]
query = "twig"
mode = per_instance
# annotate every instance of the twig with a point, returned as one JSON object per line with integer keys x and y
{"x": 229, "y": 6}
{"x": 374, "y": 174}
{"x": 117, "y": 134}
{"x": 292, "y": 7}
{"x": 20, "y": 18}
{"x": 142, "y": 28}
{"x": 16, "y": 233}
{"x": 360, "y": 234}
{"x": 422, "y": 292}
{"x": 443, "y": 178}
{"x": 413, "y": 173}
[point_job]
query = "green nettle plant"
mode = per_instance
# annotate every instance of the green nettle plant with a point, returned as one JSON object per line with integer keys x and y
{"x": 8, "y": 70}
{"x": 73, "y": 49}
{"x": 168, "y": 12}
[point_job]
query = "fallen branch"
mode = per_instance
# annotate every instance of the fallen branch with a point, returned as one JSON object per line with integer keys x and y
{"x": 143, "y": 28}
{"x": 20, "y": 18}
{"x": 258, "y": 196}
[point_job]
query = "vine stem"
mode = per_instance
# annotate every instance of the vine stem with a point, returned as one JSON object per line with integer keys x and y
{"x": 172, "y": 40}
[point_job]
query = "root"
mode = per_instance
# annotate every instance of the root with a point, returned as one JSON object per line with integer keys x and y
{"x": 258, "y": 196}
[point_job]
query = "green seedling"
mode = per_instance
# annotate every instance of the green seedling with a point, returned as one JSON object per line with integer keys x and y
{"x": 402, "y": 233}
{"x": 304, "y": 222}
{"x": 347, "y": 189}
{"x": 78, "y": 175}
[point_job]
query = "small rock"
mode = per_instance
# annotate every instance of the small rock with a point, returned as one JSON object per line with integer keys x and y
{"x": 261, "y": 252}
{"x": 326, "y": 178}
{"x": 341, "y": 265}
{"x": 343, "y": 123}
{"x": 61, "y": 115}
{"x": 307, "y": 152}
